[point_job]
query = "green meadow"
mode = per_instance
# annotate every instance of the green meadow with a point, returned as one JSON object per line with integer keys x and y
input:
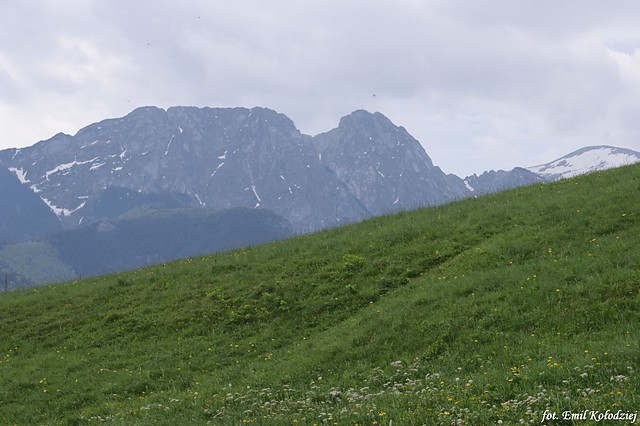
{"x": 503, "y": 309}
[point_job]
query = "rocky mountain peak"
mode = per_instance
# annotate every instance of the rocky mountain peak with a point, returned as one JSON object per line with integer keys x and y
{"x": 383, "y": 164}
{"x": 372, "y": 129}
{"x": 364, "y": 118}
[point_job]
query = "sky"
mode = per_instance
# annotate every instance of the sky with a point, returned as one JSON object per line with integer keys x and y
{"x": 483, "y": 84}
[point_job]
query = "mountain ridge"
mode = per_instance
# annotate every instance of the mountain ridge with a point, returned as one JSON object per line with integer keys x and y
{"x": 176, "y": 136}
{"x": 222, "y": 158}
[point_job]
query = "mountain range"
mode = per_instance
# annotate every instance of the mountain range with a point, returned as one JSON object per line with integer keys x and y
{"x": 157, "y": 170}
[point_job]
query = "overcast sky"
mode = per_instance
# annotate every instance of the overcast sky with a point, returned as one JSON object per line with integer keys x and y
{"x": 482, "y": 85}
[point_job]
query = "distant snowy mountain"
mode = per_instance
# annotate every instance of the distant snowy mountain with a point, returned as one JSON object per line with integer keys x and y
{"x": 586, "y": 160}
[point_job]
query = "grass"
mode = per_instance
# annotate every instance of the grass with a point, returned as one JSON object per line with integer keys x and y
{"x": 484, "y": 311}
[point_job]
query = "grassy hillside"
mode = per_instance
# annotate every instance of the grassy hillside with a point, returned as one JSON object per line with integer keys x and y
{"x": 485, "y": 310}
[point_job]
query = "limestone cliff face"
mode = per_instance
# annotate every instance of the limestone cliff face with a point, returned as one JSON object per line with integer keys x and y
{"x": 219, "y": 158}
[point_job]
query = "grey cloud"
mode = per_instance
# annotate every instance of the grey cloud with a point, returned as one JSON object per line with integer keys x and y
{"x": 483, "y": 84}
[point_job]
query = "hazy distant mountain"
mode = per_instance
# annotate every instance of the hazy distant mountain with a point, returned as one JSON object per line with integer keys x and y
{"x": 494, "y": 181}
{"x": 158, "y": 236}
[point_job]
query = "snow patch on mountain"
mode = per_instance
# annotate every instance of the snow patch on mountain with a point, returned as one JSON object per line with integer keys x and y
{"x": 67, "y": 166}
{"x": 20, "y": 174}
{"x": 166, "y": 152}
{"x": 62, "y": 212}
{"x": 96, "y": 166}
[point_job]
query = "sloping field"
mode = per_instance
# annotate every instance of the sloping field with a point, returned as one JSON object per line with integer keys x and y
{"x": 509, "y": 308}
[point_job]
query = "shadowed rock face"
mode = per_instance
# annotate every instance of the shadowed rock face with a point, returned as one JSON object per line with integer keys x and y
{"x": 23, "y": 215}
{"x": 234, "y": 157}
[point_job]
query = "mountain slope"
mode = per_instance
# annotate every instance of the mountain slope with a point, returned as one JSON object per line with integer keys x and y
{"x": 492, "y": 309}
{"x": 134, "y": 241}
{"x": 111, "y": 246}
